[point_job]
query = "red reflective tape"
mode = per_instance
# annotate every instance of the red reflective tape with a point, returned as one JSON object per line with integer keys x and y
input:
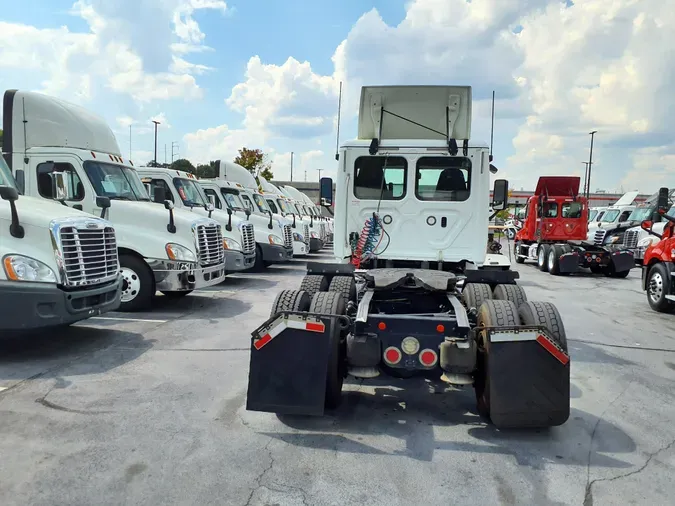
{"x": 315, "y": 327}
{"x": 551, "y": 348}
{"x": 259, "y": 343}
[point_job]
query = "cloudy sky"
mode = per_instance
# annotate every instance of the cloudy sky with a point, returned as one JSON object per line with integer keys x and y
{"x": 223, "y": 74}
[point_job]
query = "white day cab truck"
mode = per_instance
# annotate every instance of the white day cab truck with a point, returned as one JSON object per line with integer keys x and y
{"x": 409, "y": 294}
{"x": 281, "y": 205}
{"x": 59, "y": 265}
{"x": 316, "y": 225}
{"x": 326, "y": 225}
{"x": 57, "y": 150}
{"x": 185, "y": 192}
{"x": 273, "y": 233}
{"x": 298, "y": 211}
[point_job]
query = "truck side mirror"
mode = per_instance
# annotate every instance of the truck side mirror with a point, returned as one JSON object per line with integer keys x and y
{"x": 104, "y": 204}
{"x": 159, "y": 195}
{"x": 62, "y": 182}
{"x": 500, "y": 195}
{"x": 662, "y": 202}
{"x": 326, "y": 191}
{"x": 20, "y": 178}
{"x": 10, "y": 194}
{"x": 210, "y": 207}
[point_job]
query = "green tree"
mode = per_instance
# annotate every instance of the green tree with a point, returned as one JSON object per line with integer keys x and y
{"x": 183, "y": 164}
{"x": 255, "y": 161}
{"x": 207, "y": 170}
{"x": 0, "y": 138}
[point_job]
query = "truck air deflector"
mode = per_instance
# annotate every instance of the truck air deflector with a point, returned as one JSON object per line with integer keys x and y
{"x": 387, "y": 279}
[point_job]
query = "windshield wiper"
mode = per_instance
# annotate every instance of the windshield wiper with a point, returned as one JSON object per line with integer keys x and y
{"x": 119, "y": 197}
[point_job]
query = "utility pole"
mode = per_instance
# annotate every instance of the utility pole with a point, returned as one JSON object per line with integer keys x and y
{"x": 319, "y": 171}
{"x": 174, "y": 144}
{"x": 129, "y": 141}
{"x": 156, "y": 123}
{"x": 291, "y": 166}
{"x": 583, "y": 192}
{"x": 165, "y": 154}
{"x": 590, "y": 163}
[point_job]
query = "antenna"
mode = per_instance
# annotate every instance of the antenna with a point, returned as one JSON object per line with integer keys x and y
{"x": 337, "y": 142}
{"x": 492, "y": 126}
{"x": 25, "y": 135}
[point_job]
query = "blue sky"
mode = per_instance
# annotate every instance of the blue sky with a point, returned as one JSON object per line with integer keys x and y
{"x": 223, "y": 74}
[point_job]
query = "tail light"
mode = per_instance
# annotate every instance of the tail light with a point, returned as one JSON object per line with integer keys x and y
{"x": 428, "y": 358}
{"x": 392, "y": 355}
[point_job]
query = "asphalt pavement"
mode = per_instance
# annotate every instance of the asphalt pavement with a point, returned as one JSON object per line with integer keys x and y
{"x": 149, "y": 409}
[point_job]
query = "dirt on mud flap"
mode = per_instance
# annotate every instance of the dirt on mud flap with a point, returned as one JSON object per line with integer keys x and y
{"x": 529, "y": 378}
{"x": 290, "y": 354}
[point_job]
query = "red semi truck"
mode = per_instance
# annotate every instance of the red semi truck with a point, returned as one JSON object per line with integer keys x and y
{"x": 555, "y": 233}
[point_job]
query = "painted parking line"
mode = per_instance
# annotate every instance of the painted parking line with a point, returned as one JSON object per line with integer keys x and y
{"x": 127, "y": 319}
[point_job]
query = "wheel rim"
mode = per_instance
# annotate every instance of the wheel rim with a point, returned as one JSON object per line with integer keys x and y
{"x": 131, "y": 284}
{"x": 541, "y": 259}
{"x": 551, "y": 260}
{"x": 656, "y": 287}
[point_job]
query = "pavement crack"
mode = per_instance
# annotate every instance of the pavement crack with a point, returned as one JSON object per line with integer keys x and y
{"x": 588, "y": 495}
{"x": 259, "y": 478}
{"x": 588, "y": 499}
{"x": 51, "y": 405}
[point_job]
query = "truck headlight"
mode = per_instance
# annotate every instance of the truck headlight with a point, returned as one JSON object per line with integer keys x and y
{"x": 314, "y": 235}
{"x": 614, "y": 239}
{"x": 275, "y": 239}
{"x": 298, "y": 237}
{"x": 177, "y": 252}
{"x": 231, "y": 244}
{"x": 21, "y": 268}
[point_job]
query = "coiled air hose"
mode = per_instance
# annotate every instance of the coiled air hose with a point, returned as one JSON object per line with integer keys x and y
{"x": 368, "y": 240}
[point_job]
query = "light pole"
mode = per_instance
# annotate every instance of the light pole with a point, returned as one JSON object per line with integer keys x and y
{"x": 156, "y": 123}
{"x": 585, "y": 177}
{"x": 291, "y": 166}
{"x": 319, "y": 171}
{"x": 590, "y": 164}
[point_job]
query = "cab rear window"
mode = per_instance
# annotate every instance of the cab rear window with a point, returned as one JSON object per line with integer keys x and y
{"x": 380, "y": 177}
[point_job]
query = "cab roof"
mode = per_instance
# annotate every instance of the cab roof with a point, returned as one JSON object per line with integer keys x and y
{"x": 558, "y": 186}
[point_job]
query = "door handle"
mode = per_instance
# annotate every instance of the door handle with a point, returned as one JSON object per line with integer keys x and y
{"x": 444, "y": 222}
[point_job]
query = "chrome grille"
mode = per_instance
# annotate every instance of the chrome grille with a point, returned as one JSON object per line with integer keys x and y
{"x": 288, "y": 236}
{"x": 209, "y": 244}
{"x": 87, "y": 253}
{"x": 630, "y": 239}
{"x": 247, "y": 238}
{"x": 306, "y": 234}
{"x": 599, "y": 237}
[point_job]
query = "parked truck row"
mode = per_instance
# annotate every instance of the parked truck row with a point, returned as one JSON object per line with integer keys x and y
{"x": 84, "y": 231}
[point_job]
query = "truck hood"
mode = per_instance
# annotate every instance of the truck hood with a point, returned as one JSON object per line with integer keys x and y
{"x": 558, "y": 186}
{"x": 39, "y": 212}
{"x": 151, "y": 215}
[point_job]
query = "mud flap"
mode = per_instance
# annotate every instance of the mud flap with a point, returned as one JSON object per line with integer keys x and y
{"x": 289, "y": 363}
{"x": 569, "y": 262}
{"x": 529, "y": 378}
{"x": 623, "y": 261}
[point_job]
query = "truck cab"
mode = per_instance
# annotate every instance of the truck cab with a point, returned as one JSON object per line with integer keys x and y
{"x": 281, "y": 205}
{"x": 637, "y": 239}
{"x": 59, "y": 265}
{"x": 315, "y": 242}
{"x": 273, "y": 233}
{"x": 317, "y": 229}
{"x": 615, "y": 216}
{"x": 50, "y": 141}
{"x": 185, "y": 192}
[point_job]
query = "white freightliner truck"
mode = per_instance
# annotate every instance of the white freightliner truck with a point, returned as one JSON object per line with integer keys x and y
{"x": 408, "y": 294}
{"x": 326, "y": 223}
{"x": 315, "y": 243}
{"x": 614, "y": 215}
{"x": 59, "y": 265}
{"x": 315, "y": 225}
{"x": 280, "y": 204}
{"x": 167, "y": 250}
{"x": 185, "y": 192}
{"x": 273, "y": 233}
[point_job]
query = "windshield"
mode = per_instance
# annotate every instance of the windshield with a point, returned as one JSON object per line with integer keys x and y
{"x": 641, "y": 214}
{"x": 116, "y": 182}
{"x": 283, "y": 205}
{"x": 247, "y": 202}
{"x": 232, "y": 199}
{"x": 273, "y": 207}
{"x": 260, "y": 202}
{"x": 610, "y": 216}
{"x": 592, "y": 214}
{"x": 6, "y": 178}
{"x": 189, "y": 191}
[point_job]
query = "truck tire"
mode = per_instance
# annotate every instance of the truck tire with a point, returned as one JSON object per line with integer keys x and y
{"x": 659, "y": 284}
{"x": 512, "y": 293}
{"x": 542, "y": 256}
{"x": 516, "y": 253}
{"x": 492, "y": 313}
{"x": 474, "y": 294}
{"x": 333, "y": 303}
{"x": 259, "y": 265}
{"x": 313, "y": 283}
{"x": 291, "y": 300}
{"x": 596, "y": 269}
{"x": 553, "y": 260}
{"x": 610, "y": 272}
{"x": 546, "y": 315}
{"x": 344, "y": 285}
{"x": 138, "y": 284}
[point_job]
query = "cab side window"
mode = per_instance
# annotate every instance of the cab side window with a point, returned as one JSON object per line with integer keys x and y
{"x": 550, "y": 209}
{"x": 571, "y": 210}
{"x": 212, "y": 193}
{"x": 45, "y": 183}
{"x": 160, "y": 183}
{"x": 624, "y": 215}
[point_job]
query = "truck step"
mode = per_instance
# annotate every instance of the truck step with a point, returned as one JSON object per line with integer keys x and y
{"x": 364, "y": 372}
{"x": 670, "y": 297}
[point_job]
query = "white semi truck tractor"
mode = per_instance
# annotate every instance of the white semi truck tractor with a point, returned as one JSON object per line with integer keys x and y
{"x": 274, "y": 235}
{"x": 317, "y": 229}
{"x": 60, "y": 151}
{"x": 280, "y": 204}
{"x": 185, "y": 192}
{"x": 59, "y": 265}
{"x": 408, "y": 294}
